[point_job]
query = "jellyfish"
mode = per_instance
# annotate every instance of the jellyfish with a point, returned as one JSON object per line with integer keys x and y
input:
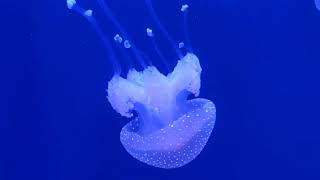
{"x": 167, "y": 128}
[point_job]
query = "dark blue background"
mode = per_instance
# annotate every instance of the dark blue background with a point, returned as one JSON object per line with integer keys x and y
{"x": 260, "y": 64}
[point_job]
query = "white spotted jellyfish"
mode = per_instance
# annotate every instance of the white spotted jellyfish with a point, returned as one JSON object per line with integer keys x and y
{"x": 167, "y": 130}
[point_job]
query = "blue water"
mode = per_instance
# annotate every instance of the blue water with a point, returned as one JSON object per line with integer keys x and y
{"x": 260, "y": 63}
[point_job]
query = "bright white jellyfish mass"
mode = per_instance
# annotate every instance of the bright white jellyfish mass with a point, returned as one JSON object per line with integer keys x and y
{"x": 169, "y": 130}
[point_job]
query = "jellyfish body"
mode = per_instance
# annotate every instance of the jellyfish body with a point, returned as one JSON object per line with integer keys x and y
{"x": 169, "y": 129}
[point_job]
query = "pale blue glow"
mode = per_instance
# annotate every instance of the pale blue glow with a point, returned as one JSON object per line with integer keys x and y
{"x": 317, "y": 3}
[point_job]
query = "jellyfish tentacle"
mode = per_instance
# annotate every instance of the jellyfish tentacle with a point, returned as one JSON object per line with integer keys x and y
{"x": 119, "y": 40}
{"x": 163, "y": 59}
{"x": 184, "y": 10}
{"x": 107, "y": 10}
{"x": 181, "y": 45}
{"x": 162, "y": 28}
{"x": 87, "y": 14}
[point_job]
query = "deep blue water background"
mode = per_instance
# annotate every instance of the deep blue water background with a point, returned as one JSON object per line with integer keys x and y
{"x": 260, "y": 64}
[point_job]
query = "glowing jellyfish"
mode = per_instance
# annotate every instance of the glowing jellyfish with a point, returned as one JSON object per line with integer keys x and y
{"x": 169, "y": 130}
{"x": 317, "y": 2}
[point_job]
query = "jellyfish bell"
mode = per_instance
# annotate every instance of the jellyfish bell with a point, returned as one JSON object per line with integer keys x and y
{"x": 169, "y": 131}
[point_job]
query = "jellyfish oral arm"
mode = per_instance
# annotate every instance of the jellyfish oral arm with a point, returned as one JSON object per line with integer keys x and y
{"x": 150, "y": 92}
